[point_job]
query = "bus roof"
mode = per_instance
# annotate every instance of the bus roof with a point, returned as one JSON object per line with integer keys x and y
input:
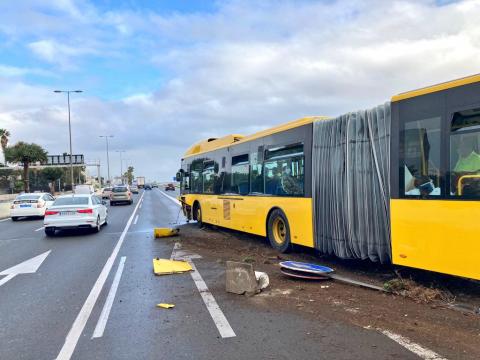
{"x": 213, "y": 144}
{"x": 438, "y": 87}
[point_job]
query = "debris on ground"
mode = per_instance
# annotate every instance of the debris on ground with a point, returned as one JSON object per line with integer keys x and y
{"x": 165, "y": 306}
{"x": 262, "y": 279}
{"x": 418, "y": 293}
{"x": 166, "y": 267}
{"x": 241, "y": 279}
{"x": 165, "y": 232}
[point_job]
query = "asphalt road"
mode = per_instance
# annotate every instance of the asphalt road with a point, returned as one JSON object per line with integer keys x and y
{"x": 46, "y": 314}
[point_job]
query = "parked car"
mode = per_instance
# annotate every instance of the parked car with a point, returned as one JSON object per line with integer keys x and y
{"x": 77, "y": 211}
{"x": 106, "y": 192}
{"x": 148, "y": 187}
{"x": 30, "y": 204}
{"x": 169, "y": 187}
{"x": 84, "y": 189}
{"x": 120, "y": 194}
{"x": 134, "y": 189}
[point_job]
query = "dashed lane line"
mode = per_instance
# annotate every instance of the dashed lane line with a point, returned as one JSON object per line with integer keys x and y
{"x": 102, "y": 320}
{"x": 40, "y": 228}
{"x": 417, "y": 349}
{"x": 81, "y": 320}
{"x": 135, "y": 221}
{"x": 4, "y": 219}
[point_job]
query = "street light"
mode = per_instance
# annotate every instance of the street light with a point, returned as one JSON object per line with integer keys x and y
{"x": 121, "y": 164}
{"x": 69, "y": 127}
{"x": 108, "y": 160}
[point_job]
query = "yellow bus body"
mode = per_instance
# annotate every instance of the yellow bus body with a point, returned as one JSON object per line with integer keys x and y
{"x": 250, "y": 213}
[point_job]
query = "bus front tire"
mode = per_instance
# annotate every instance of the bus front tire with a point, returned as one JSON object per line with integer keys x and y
{"x": 278, "y": 231}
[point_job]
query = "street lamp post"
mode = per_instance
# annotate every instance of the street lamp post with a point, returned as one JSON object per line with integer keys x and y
{"x": 121, "y": 164}
{"x": 69, "y": 129}
{"x": 108, "y": 159}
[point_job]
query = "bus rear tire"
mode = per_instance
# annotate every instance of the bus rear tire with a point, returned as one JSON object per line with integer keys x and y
{"x": 278, "y": 231}
{"x": 197, "y": 213}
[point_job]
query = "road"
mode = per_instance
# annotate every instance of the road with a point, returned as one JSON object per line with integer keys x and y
{"x": 56, "y": 311}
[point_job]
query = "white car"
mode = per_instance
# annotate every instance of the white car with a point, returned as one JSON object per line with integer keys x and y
{"x": 77, "y": 211}
{"x": 30, "y": 204}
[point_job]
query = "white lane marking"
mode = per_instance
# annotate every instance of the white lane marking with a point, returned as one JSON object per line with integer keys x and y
{"x": 102, "y": 320}
{"x": 140, "y": 206}
{"x": 171, "y": 198}
{"x": 29, "y": 266}
{"x": 4, "y": 219}
{"x": 81, "y": 320}
{"x": 135, "y": 221}
{"x": 216, "y": 313}
{"x": 40, "y": 228}
{"x": 417, "y": 349}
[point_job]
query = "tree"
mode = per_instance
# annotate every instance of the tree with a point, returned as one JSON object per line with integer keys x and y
{"x": 25, "y": 154}
{"x": 129, "y": 175}
{"x": 4, "y": 135}
{"x": 52, "y": 174}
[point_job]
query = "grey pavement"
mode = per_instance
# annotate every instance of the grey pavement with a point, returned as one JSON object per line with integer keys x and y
{"x": 37, "y": 310}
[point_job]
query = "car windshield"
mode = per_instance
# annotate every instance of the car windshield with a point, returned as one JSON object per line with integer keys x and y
{"x": 28, "y": 197}
{"x": 107, "y": 189}
{"x": 119, "y": 189}
{"x": 80, "y": 200}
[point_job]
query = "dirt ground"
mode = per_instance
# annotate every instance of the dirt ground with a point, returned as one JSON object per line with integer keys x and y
{"x": 419, "y": 308}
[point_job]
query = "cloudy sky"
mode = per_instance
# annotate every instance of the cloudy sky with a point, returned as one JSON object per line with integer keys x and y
{"x": 160, "y": 75}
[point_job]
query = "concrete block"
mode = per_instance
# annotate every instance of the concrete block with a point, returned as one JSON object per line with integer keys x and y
{"x": 240, "y": 278}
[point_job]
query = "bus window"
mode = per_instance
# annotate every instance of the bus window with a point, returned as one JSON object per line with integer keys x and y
{"x": 208, "y": 176}
{"x": 196, "y": 176}
{"x": 256, "y": 176}
{"x": 284, "y": 171}
{"x": 422, "y": 144}
{"x": 464, "y": 154}
{"x": 240, "y": 172}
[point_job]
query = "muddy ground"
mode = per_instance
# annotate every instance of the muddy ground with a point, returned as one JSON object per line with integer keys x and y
{"x": 419, "y": 309}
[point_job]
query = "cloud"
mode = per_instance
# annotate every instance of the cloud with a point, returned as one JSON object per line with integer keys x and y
{"x": 247, "y": 66}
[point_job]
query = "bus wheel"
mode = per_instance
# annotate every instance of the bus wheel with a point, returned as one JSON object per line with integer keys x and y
{"x": 198, "y": 215}
{"x": 279, "y": 231}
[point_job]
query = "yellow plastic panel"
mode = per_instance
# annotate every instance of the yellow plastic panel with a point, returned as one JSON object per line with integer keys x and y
{"x": 249, "y": 214}
{"x": 437, "y": 235}
{"x": 164, "y": 266}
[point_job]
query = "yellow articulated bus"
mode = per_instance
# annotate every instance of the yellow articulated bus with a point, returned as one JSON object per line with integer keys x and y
{"x": 397, "y": 183}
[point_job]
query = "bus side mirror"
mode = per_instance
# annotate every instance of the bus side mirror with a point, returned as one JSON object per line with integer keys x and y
{"x": 178, "y": 177}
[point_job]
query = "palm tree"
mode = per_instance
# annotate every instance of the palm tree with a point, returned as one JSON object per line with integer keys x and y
{"x": 25, "y": 154}
{"x": 52, "y": 174}
{"x": 4, "y": 135}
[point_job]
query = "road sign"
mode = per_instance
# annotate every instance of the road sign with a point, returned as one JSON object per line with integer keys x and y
{"x": 306, "y": 267}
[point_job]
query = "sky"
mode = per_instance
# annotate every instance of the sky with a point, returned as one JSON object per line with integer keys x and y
{"x": 162, "y": 75}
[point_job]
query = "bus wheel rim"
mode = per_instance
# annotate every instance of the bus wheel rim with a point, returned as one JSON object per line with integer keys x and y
{"x": 279, "y": 231}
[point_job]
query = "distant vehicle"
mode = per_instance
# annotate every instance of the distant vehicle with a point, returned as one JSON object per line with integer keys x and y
{"x": 154, "y": 185}
{"x": 106, "y": 192}
{"x": 121, "y": 194}
{"x": 77, "y": 211}
{"x": 148, "y": 187}
{"x": 140, "y": 182}
{"x": 134, "y": 189}
{"x": 30, "y": 204}
{"x": 169, "y": 187}
{"x": 84, "y": 189}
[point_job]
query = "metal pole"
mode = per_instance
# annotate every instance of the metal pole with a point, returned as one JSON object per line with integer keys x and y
{"x": 108, "y": 162}
{"x": 121, "y": 168}
{"x": 70, "y": 135}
